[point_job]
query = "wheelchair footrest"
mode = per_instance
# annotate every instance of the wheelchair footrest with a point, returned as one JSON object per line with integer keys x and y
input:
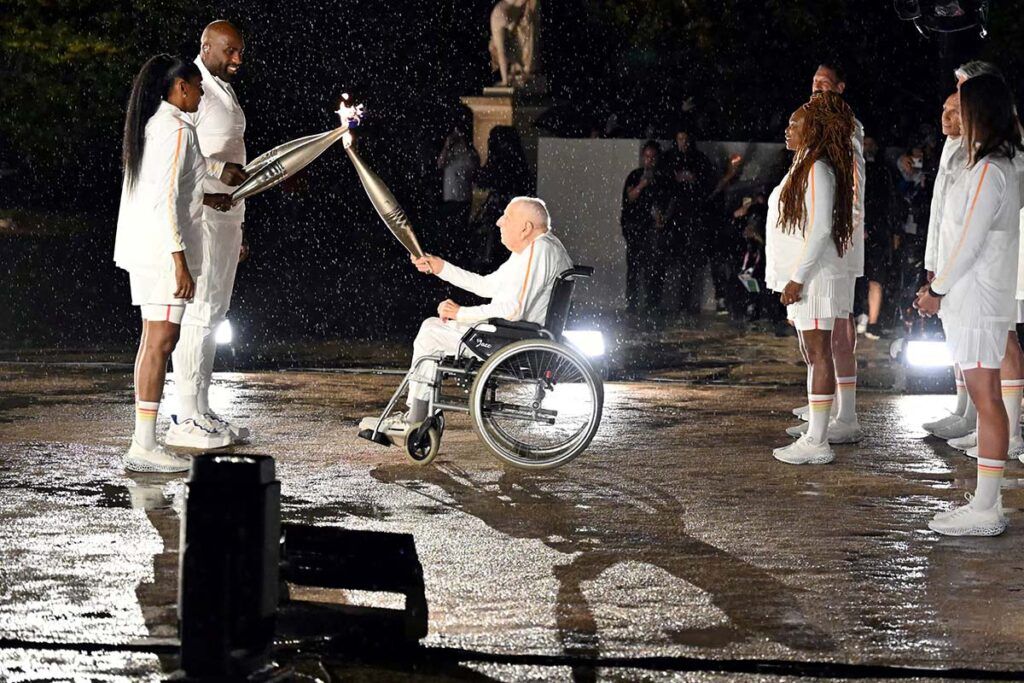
{"x": 375, "y": 437}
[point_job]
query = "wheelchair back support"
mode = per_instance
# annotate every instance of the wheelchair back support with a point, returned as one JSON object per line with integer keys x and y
{"x": 484, "y": 339}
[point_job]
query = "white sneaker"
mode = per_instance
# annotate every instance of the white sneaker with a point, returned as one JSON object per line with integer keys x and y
{"x": 805, "y": 451}
{"x": 968, "y": 520}
{"x": 862, "y": 323}
{"x": 394, "y": 426}
{"x": 237, "y": 433}
{"x": 955, "y": 429}
{"x": 969, "y": 440}
{"x": 1016, "y": 449}
{"x": 838, "y": 432}
{"x": 139, "y": 459}
{"x": 969, "y": 496}
{"x": 947, "y": 421}
{"x": 802, "y": 411}
{"x": 196, "y": 432}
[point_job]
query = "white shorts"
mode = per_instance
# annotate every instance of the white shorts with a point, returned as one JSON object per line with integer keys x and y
{"x": 808, "y": 324}
{"x": 972, "y": 347}
{"x": 154, "y": 287}
{"x": 163, "y": 312}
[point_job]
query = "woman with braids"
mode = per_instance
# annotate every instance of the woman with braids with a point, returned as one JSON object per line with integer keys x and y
{"x": 975, "y": 286}
{"x": 159, "y": 241}
{"x": 809, "y": 232}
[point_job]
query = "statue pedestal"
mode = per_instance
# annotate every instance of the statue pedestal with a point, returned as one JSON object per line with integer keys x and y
{"x": 504, "y": 106}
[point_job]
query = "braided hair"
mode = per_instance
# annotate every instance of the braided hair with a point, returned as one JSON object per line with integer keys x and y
{"x": 828, "y": 129}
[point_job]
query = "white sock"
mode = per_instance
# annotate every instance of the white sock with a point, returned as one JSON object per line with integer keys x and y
{"x": 145, "y": 423}
{"x": 847, "y": 395}
{"x": 990, "y": 476}
{"x": 961, "y": 397}
{"x": 817, "y": 419}
{"x": 1012, "y": 390}
{"x": 187, "y": 407}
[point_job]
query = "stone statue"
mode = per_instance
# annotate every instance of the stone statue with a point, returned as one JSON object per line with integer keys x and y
{"x": 515, "y": 33}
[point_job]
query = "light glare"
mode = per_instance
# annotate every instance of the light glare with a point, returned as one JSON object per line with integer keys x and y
{"x": 928, "y": 354}
{"x": 589, "y": 342}
{"x": 224, "y": 333}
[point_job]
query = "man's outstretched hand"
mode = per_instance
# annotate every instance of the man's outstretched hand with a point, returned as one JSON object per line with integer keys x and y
{"x": 448, "y": 310}
{"x": 427, "y": 263}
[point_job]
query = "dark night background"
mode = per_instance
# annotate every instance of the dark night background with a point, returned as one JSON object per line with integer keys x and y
{"x": 323, "y": 266}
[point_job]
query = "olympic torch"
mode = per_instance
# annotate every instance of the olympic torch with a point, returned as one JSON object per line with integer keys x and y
{"x": 284, "y": 161}
{"x": 385, "y": 203}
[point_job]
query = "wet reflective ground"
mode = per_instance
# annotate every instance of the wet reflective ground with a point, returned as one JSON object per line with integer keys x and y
{"x": 676, "y": 534}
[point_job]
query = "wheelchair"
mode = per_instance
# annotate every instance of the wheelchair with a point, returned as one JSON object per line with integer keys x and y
{"x": 534, "y": 400}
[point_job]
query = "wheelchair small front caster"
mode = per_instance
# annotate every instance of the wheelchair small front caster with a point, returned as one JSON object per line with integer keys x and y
{"x": 422, "y": 443}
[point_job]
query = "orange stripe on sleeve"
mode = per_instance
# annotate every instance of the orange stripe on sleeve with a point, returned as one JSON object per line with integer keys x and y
{"x": 175, "y": 230}
{"x": 967, "y": 226}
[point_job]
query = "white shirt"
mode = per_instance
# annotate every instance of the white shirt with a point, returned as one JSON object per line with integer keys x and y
{"x": 162, "y": 213}
{"x": 803, "y": 256}
{"x": 979, "y": 240}
{"x": 520, "y": 289}
{"x": 952, "y": 165}
{"x": 220, "y": 123}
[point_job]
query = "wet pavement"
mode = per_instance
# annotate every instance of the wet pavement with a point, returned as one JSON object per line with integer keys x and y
{"x": 676, "y": 535}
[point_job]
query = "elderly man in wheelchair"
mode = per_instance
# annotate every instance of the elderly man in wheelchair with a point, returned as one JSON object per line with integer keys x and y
{"x": 534, "y": 401}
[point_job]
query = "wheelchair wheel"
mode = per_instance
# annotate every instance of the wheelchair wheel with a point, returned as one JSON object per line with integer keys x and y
{"x": 423, "y": 450}
{"x": 536, "y": 403}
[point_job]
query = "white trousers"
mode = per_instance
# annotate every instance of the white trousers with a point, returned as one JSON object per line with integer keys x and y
{"x": 435, "y": 337}
{"x": 193, "y": 356}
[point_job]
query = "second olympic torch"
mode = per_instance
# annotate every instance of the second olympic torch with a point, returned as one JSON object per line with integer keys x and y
{"x": 385, "y": 203}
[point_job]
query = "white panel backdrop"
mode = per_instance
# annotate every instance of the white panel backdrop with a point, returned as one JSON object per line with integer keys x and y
{"x": 581, "y": 181}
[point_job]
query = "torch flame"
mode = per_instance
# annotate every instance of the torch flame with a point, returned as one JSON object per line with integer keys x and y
{"x": 350, "y": 115}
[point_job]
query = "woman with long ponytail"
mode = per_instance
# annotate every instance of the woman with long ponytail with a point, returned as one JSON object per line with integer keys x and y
{"x": 810, "y": 232}
{"x": 975, "y": 286}
{"x": 159, "y": 238}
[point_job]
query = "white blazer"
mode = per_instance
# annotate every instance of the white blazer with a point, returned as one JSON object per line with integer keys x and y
{"x": 520, "y": 289}
{"x": 220, "y": 123}
{"x": 803, "y": 256}
{"x": 855, "y": 258}
{"x": 952, "y": 165}
{"x": 162, "y": 213}
{"x": 978, "y": 243}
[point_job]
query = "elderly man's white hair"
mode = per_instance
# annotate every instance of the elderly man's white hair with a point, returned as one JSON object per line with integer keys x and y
{"x": 977, "y": 68}
{"x": 536, "y": 211}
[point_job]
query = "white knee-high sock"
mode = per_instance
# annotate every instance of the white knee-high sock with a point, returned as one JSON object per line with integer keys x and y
{"x": 990, "y": 477}
{"x": 846, "y": 389}
{"x": 818, "y": 417}
{"x": 970, "y": 412}
{"x": 961, "y": 397}
{"x": 145, "y": 423}
{"x": 1012, "y": 390}
{"x": 209, "y": 353}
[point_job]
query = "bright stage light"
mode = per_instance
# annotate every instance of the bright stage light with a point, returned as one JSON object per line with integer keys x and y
{"x": 224, "y": 334}
{"x": 589, "y": 342}
{"x": 928, "y": 354}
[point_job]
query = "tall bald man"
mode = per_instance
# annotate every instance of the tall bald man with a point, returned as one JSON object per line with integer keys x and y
{"x": 220, "y": 124}
{"x": 518, "y": 290}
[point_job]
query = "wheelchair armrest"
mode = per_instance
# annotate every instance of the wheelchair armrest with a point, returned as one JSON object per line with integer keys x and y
{"x": 484, "y": 338}
{"x": 513, "y": 325}
{"x": 576, "y": 273}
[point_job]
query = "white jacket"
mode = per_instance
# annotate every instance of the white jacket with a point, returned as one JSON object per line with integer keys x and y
{"x": 952, "y": 165}
{"x": 520, "y": 289}
{"x": 162, "y": 214}
{"x": 797, "y": 256}
{"x": 978, "y": 243}
{"x": 220, "y": 123}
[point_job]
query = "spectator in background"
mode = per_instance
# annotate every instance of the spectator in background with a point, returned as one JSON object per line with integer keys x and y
{"x": 880, "y": 211}
{"x": 505, "y": 175}
{"x": 457, "y": 163}
{"x": 723, "y": 242}
{"x": 684, "y": 238}
{"x": 642, "y": 216}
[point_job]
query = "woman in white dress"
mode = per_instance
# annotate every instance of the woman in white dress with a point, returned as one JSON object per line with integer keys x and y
{"x": 975, "y": 285}
{"x": 159, "y": 238}
{"x": 810, "y": 229}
